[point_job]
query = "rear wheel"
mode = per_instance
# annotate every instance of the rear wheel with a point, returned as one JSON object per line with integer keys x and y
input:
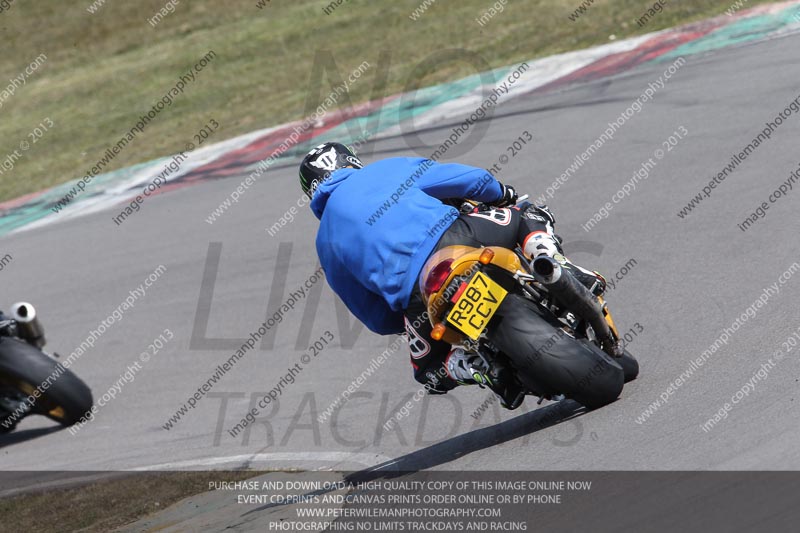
{"x": 548, "y": 361}
{"x": 64, "y": 398}
{"x": 629, "y": 365}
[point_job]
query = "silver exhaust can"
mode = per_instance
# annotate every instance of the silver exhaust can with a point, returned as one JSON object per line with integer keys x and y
{"x": 28, "y": 326}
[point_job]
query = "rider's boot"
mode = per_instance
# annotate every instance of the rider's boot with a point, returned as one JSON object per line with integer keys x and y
{"x": 549, "y": 244}
{"x": 592, "y": 280}
{"x": 469, "y": 368}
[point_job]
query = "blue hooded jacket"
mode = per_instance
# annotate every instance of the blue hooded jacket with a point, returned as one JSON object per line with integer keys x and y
{"x": 379, "y": 224}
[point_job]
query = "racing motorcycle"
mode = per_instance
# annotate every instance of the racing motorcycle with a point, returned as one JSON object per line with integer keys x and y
{"x": 31, "y": 380}
{"x": 535, "y": 317}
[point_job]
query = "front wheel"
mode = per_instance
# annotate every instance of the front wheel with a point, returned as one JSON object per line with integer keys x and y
{"x": 549, "y": 361}
{"x": 63, "y": 397}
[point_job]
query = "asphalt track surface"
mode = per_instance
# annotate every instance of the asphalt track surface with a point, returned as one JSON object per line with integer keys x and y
{"x": 693, "y": 277}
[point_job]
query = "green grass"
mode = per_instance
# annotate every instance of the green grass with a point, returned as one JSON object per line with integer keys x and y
{"x": 104, "y": 70}
{"x": 108, "y": 504}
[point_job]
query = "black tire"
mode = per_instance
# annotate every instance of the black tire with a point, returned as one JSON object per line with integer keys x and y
{"x": 6, "y": 428}
{"x": 24, "y": 367}
{"x": 629, "y": 365}
{"x": 550, "y": 362}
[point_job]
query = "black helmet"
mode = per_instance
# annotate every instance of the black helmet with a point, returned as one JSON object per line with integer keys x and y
{"x": 320, "y": 162}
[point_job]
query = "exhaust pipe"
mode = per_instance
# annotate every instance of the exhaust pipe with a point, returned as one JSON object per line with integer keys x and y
{"x": 28, "y": 326}
{"x": 577, "y": 298}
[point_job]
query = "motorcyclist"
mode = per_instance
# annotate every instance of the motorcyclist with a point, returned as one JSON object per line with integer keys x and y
{"x": 379, "y": 224}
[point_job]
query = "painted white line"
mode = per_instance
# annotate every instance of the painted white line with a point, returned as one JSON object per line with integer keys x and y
{"x": 366, "y": 459}
{"x": 329, "y": 458}
{"x": 59, "y": 483}
{"x": 120, "y": 190}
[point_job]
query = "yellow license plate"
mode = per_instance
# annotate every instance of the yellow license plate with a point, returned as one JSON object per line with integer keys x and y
{"x": 475, "y": 304}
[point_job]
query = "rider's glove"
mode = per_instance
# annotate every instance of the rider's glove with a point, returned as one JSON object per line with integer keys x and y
{"x": 540, "y": 213}
{"x": 507, "y": 199}
{"x": 544, "y": 211}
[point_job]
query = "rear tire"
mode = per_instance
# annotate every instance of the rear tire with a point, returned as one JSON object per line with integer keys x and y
{"x": 548, "y": 361}
{"x": 65, "y": 400}
{"x": 629, "y": 365}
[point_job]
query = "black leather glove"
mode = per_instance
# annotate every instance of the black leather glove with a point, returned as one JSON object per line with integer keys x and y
{"x": 508, "y": 198}
{"x": 541, "y": 213}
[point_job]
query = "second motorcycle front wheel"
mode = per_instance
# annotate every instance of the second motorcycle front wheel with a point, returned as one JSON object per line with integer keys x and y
{"x": 62, "y": 396}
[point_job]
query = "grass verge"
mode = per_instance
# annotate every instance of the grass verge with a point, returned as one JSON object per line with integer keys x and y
{"x": 108, "y": 504}
{"x": 104, "y": 69}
